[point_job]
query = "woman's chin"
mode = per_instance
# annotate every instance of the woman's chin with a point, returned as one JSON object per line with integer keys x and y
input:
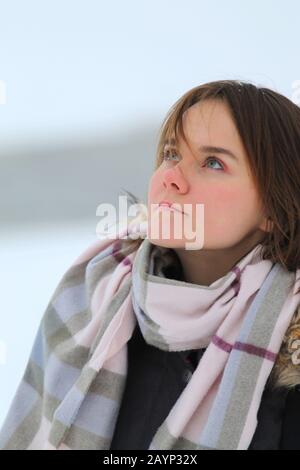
{"x": 167, "y": 242}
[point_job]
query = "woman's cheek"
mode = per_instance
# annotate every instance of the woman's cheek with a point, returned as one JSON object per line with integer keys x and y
{"x": 223, "y": 212}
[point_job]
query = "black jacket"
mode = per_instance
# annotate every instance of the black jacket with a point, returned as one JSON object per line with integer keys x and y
{"x": 155, "y": 380}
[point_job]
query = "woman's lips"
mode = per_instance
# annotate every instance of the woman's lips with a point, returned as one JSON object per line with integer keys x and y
{"x": 169, "y": 206}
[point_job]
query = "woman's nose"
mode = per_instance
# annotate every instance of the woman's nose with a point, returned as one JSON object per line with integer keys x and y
{"x": 173, "y": 178}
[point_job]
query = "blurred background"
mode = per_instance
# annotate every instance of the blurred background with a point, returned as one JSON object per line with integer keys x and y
{"x": 84, "y": 88}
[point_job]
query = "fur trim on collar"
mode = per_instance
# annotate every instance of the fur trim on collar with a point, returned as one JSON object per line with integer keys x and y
{"x": 286, "y": 370}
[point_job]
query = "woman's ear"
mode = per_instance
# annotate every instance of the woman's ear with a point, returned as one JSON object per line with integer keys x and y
{"x": 266, "y": 225}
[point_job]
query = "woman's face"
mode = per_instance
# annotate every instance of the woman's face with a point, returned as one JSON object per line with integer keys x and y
{"x": 222, "y": 183}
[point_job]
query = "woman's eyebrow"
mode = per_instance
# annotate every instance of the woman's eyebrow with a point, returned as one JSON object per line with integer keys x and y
{"x": 208, "y": 148}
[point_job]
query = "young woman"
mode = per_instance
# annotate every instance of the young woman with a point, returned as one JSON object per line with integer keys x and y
{"x": 149, "y": 344}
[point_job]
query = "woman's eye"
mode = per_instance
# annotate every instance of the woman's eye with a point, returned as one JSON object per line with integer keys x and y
{"x": 167, "y": 154}
{"x": 213, "y": 159}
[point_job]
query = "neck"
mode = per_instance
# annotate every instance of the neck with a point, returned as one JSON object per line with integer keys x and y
{"x": 205, "y": 266}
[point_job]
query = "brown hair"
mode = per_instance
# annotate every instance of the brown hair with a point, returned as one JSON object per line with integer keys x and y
{"x": 269, "y": 126}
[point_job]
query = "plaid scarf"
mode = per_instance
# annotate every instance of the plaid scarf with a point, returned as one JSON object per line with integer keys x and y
{"x": 71, "y": 391}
